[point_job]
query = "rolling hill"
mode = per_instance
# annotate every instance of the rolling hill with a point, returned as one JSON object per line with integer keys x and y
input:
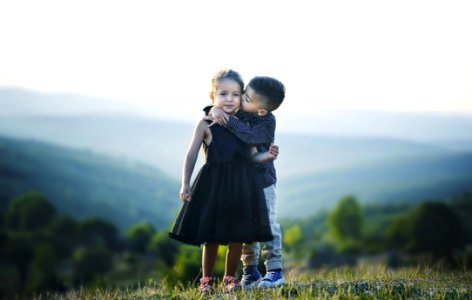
{"x": 163, "y": 144}
{"x": 409, "y": 179}
{"x": 377, "y": 156}
{"x": 85, "y": 184}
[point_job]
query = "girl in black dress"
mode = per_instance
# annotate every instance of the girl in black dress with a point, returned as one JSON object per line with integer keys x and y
{"x": 225, "y": 204}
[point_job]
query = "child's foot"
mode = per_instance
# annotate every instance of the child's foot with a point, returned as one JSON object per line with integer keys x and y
{"x": 231, "y": 284}
{"x": 272, "y": 278}
{"x": 251, "y": 277}
{"x": 206, "y": 285}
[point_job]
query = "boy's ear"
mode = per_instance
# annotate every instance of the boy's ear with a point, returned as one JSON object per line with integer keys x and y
{"x": 211, "y": 96}
{"x": 262, "y": 112}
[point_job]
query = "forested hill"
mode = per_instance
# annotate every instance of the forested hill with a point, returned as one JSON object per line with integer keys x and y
{"x": 412, "y": 179}
{"x": 85, "y": 184}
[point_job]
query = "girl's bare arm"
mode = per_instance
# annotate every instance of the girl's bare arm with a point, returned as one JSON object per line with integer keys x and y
{"x": 199, "y": 134}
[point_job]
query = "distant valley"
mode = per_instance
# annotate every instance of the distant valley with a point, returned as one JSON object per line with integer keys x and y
{"x": 314, "y": 171}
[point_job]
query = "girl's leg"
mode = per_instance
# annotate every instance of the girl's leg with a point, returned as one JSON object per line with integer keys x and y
{"x": 233, "y": 256}
{"x": 231, "y": 283}
{"x": 210, "y": 253}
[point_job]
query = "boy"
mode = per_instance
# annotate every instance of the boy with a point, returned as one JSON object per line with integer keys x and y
{"x": 255, "y": 125}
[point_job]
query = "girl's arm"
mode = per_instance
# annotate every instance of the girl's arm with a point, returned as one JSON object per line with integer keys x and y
{"x": 199, "y": 134}
{"x": 262, "y": 157}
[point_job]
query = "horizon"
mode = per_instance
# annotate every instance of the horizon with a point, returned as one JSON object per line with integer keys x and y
{"x": 429, "y": 126}
{"x": 154, "y": 56}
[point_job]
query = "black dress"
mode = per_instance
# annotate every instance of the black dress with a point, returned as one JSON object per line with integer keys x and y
{"x": 228, "y": 203}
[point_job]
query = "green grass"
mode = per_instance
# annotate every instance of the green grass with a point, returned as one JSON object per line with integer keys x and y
{"x": 343, "y": 283}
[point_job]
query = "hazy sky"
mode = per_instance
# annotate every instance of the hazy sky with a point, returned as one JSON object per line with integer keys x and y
{"x": 160, "y": 55}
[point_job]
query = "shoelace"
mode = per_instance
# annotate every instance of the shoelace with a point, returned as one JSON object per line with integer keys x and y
{"x": 231, "y": 280}
{"x": 205, "y": 280}
{"x": 206, "y": 283}
{"x": 247, "y": 272}
{"x": 270, "y": 276}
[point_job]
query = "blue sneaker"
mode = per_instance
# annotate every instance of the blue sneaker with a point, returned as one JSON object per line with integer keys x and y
{"x": 251, "y": 277}
{"x": 272, "y": 279}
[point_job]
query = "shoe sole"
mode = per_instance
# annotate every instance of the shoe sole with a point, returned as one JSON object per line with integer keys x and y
{"x": 252, "y": 285}
{"x": 266, "y": 284}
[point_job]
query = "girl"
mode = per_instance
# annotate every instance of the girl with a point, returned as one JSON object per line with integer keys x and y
{"x": 226, "y": 203}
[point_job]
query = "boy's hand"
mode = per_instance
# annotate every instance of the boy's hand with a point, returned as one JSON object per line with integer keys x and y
{"x": 185, "y": 194}
{"x": 273, "y": 151}
{"x": 217, "y": 116}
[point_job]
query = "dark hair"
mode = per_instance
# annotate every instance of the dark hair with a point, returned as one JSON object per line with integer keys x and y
{"x": 271, "y": 90}
{"x": 226, "y": 74}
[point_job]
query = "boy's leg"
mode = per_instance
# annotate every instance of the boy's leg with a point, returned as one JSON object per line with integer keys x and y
{"x": 250, "y": 257}
{"x": 272, "y": 251}
{"x": 250, "y": 254}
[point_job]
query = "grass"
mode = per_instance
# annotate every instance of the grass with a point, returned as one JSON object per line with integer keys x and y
{"x": 343, "y": 283}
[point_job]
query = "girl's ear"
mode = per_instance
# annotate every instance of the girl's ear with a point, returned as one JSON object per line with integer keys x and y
{"x": 212, "y": 96}
{"x": 262, "y": 112}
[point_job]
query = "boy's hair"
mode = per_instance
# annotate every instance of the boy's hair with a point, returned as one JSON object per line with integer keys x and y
{"x": 271, "y": 90}
{"x": 226, "y": 74}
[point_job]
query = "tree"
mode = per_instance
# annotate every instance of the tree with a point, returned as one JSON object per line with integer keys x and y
{"x": 65, "y": 232}
{"x": 398, "y": 234}
{"x": 293, "y": 236}
{"x": 90, "y": 261}
{"x": 165, "y": 247}
{"x": 436, "y": 229}
{"x": 45, "y": 262}
{"x": 19, "y": 250}
{"x": 96, "y": 232}
{"x": 345, "y": 223}
{"x": 30, "y": 211}
{"x": 188, "y": 263}
{"x": 139, "y": 236}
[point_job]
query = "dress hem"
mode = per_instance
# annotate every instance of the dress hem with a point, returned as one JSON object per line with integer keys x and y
{"x": 194, "y": 242}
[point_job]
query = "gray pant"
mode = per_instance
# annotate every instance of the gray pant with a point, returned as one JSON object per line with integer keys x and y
{"x": 271, "y": 251}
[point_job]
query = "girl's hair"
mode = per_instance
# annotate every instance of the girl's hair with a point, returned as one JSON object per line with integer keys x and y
{"x": 226, "y": 74}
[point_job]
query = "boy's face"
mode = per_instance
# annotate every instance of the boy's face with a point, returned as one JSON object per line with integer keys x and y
{"x": 227, "y": 96}
{"x": 251, "y": 102}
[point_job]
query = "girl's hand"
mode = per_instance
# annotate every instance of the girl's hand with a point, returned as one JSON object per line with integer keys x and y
{"x": 185, "y": 193}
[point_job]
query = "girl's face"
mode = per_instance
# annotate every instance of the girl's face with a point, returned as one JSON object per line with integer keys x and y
{"x": 227, "y": 95}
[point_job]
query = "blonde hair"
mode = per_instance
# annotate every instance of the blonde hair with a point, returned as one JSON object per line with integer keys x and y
{"x": 226, "y": 74}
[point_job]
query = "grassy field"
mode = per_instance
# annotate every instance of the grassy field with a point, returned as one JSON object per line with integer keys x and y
{"x": 344, "y": 283}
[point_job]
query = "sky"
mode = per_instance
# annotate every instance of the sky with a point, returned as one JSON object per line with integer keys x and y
{"x": 159, "y": 56}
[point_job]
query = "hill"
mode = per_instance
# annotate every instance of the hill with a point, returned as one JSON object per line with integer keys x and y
{"x": 163, "y": 144}
{"x": 368, "y": 282}
{"x": 84, "y": 184}
{"x": 376, "y": 156}
{"x": 404, "y": 179}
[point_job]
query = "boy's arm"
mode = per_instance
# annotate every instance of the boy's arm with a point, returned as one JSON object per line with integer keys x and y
{"x": 261, "y": 131}
{"x": 262, "y": 157}
{"x": 216, "y": 115}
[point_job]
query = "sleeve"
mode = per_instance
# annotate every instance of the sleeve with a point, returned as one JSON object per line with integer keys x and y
{"x": 259, "y": 132}
{"x": 206, "y": 109}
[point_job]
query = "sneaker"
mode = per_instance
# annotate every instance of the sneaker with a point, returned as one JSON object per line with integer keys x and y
{"x": 206, "y": 285}
{"x": 251, "y": 277}
{"x": 272, "y": 279}
{"x": 231, "y": 284}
